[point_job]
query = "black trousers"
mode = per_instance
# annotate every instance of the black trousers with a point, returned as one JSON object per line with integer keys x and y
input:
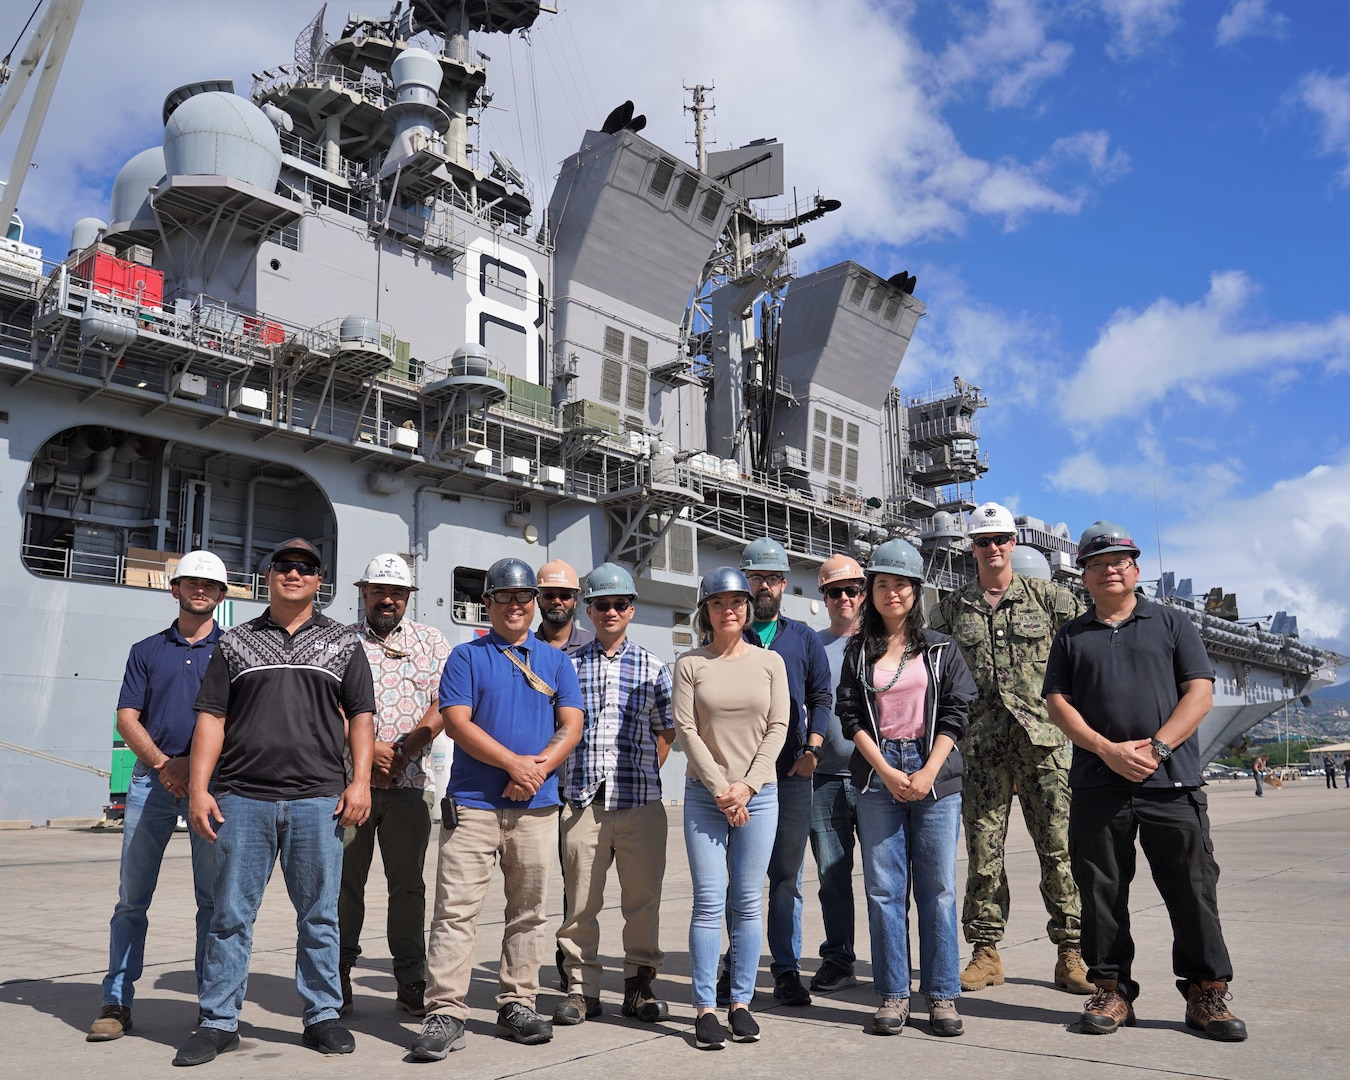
{"x": 1173, "y": 829}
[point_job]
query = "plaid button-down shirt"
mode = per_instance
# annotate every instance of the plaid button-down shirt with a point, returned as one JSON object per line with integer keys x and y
{"x": 628, "y": 700}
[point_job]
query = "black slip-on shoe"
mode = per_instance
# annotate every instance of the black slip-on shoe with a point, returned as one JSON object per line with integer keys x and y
{"x": 205, "y": 1045}
{"x": 329, "y": 1037}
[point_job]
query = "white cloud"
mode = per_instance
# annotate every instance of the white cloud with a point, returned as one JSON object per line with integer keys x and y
{"x": 1140, "y": 25}
{"x": 1329, "y": 98}
{"x": 1249, "y": 18}
{"x": 1139, "y": 467}
{"x": 1144, "y": 356}
{"x": 1009, "y": 50}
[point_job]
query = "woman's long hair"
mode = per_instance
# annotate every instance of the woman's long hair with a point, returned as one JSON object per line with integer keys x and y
{"x": 872, "y": 634}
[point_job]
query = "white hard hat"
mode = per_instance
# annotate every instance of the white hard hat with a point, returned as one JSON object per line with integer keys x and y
{"x": 991, "y": 519}
{"x": 388, "y": 569}
{"x": 201, "y": 564}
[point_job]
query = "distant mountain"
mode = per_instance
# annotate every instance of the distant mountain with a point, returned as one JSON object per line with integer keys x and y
{"x": 1339, "y": 692}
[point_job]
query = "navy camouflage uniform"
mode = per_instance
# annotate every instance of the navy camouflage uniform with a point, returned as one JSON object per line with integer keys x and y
{"x": 1010, "y": 745}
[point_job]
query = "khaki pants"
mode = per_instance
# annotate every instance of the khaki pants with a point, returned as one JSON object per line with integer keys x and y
{"x": 593, "y": 839}
{"x": 525, "y": 841}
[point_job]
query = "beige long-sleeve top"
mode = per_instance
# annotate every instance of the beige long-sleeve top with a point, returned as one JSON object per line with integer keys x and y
{"x": 731, "y": 715}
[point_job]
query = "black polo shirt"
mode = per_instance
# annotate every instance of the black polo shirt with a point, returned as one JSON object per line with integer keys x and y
{"x": 1126, "y": 680}
{"x": 284, "y": 697}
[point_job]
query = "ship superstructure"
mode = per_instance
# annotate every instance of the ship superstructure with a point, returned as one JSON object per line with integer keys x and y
{"x": 323, "y": 310}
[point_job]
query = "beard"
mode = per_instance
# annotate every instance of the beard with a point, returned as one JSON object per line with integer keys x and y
{"x": 558, "y": 616}
{"x": 382, "y": 623}
{"x": 196, "y": 607}
{"x": 766, "y": 606}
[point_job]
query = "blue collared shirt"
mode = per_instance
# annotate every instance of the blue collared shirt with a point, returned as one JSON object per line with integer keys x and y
{"x": 163, "y": 674}
{"x": 809, "y": 685}
{"x": 628, "y": 701}
{"x": 479, "y": 675}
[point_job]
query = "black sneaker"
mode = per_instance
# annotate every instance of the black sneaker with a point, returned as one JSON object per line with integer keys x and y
{"x": 205, "y": 1045}
{"x": 329, "y": 1037}
{"x": 724, "y": 987}
{"x": 743, "y": 1026}
{"x": 708, "y": 1033}
{"x": 788, "y": 989}
{"x": 520, "y": 1022}
{"x": 831, "y": 977}
{"x": 441, "y": 1033}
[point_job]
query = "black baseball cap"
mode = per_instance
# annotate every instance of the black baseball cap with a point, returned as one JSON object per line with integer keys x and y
{"x": 294, "y": 547}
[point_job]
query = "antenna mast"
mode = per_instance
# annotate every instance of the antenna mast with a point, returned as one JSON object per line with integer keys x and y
{"x": 701, "y": 108}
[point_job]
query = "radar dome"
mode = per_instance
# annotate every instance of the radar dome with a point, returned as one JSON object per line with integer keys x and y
{"x": 1029, "y": 562}
{"x": 219, "y": 134}
{"x": 86, "y": 231}
{"x": 131, "y": 190}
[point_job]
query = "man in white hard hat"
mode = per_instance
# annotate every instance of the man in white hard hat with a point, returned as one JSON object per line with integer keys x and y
{"x": 406, "y": 659}
{"x": 1003, "y": 623}
{"x": 559, "y": 588}
{"x": 834, "y": 802}
{"x": 155, "y": 719}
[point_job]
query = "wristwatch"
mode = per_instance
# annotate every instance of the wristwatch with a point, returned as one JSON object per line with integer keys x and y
{"x": 814, "y": 751}
{"x": 1160, "y": 749}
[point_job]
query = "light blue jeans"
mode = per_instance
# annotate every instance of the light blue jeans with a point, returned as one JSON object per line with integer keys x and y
{"x": 726, "y": 869}
{"x": 910, "y": 845}
{"x": 147, "y": 826}
{"x": 308, "y": 838}
{"x": 834, "y": 828}
{"x": 785, "y": 873}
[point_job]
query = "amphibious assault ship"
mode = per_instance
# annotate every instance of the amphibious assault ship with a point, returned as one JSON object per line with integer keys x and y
{"x": 320, "y": 308}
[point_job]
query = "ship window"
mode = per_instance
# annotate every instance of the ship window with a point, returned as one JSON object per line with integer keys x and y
{"x": 851, "y": 465}
{"x": 892, "y": 308}
{"x": 836, "y": 454}
{"x": 684, "y": 194}
{"x": 821, "y": 421}
{"x": 611, "y": 379}
{"x": 818, "y": 453}
{"x": 859, "y": 290}
{"x": 613, "y": 341}
{"x": 852, "y": 435}
{"x": 836, "y": 427}
{"x": 661, "y": 178}
{"x": 466, "y": 605}
{"x": 712, "y": 203}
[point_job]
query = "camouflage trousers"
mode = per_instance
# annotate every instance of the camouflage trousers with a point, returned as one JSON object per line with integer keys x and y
{"x": 1002, "y": 763}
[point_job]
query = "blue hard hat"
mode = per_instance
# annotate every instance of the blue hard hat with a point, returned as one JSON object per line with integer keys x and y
{"x": 509, "y": 574}
{"x": 608, "y": 579}
{"x": 724, "y": 579}
{"x": 897, "y": 557}
{"x": 763, "y": 554}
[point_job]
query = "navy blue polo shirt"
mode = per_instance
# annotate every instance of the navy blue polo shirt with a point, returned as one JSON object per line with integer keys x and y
{"x": 479, "y": 675}
{"x": 1125, "y": 681}
{"x": 163, "y": 674}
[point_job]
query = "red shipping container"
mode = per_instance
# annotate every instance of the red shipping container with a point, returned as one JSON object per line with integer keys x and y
{"x": 123, "y": 279}
{"x": 267, "y": 333}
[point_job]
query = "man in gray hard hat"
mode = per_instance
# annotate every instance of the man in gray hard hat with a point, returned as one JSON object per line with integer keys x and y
{"x": 513, "y": 708}
{"x": 155, "y": 718}
{"x": 612, "y": 809}
{"x": 1128, "y": 682}
{"x": 1003, "y": 623}
{"x": 406, "y": 659}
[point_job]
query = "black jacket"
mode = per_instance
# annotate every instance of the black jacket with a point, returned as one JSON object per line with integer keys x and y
{"x": 951, "y": 691}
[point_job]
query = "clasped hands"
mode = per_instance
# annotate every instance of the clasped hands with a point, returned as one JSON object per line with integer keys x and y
{"x": 733, "y": 802}
{"x": 527, "y": 777}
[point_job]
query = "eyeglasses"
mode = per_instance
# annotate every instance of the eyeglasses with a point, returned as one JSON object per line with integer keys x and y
{"x": 304, "y": 569}
{"x": 523, "y": 597}
{"x": 834, "y": 592}
{"x": 550, "y": 595}
{"x": 771, "y": 580}
{"x": 1119, "y": 565}
{"x": 611, "y": 605}
{"x": 995, "y": 541}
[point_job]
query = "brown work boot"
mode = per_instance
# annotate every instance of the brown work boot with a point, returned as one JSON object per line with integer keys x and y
{"x": 412, "y": 998}
{"x": 638, "y": 999}
{"x": 113, "y": 1022}
{"x": 1070, "y": 974}
{"x": 1106, "y": 1010}
{"x": 1206, "y": 1011}
{"x": 345, "y": 977}
{"x": 985, "y": 968}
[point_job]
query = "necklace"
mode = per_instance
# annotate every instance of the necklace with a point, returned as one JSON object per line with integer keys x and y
{"x": 904, "y": 659}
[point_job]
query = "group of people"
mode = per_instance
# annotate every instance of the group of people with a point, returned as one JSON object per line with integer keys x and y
{"x": 295, "y": 736}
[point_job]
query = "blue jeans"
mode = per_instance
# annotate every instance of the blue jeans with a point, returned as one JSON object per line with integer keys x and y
{"x": 726, "y": 870}
{"x": 910, "y": 845}
{"x": 785, "y": 873}
{"x": 309, "y": 839}
{"x": 149, "y": 822}
{"x": 834, "y": 826}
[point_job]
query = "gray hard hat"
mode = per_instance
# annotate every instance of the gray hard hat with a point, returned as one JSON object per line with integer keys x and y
{"x": 1103, "y": 537}
{"x": 897, "y": 557}
{"x": 724, "y": 579}
{"x": 763, "y": 554}
{"x": 509, "y": 574}
{"x": 609, "y": 580}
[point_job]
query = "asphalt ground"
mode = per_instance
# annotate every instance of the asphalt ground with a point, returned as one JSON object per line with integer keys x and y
{"x": 1284, "y": 898}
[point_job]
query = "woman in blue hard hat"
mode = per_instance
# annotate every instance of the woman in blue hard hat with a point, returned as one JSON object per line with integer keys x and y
{"x": 903, "y": 698}
{"x": 731, "y": 710}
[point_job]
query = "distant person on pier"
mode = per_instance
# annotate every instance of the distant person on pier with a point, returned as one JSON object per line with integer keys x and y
{"x": 1329, "y": 768}
{"x": 1345, "y": 762}
{"x": 1128, "y": 682}
{"x": 1003, "y": 623}
{"x": 1258, "y": 768}
{"x": 155, "y": 718}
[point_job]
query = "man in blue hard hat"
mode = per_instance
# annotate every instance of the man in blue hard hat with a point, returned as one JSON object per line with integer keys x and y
{"x": 514, "y": 710}
{"x": 765, "y": 565}
{"x": 612, "y": 809}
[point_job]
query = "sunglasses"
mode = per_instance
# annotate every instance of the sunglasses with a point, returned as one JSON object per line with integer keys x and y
{"x": 834, "y": 592}
{"x": 304, "y": 569}
{"x": 771, "y": 580}
{"x": 557, "y": 594}
{"x": 611, "y": 605}
{"x": 993, "y": 541}
{"x": 514, "y": 596}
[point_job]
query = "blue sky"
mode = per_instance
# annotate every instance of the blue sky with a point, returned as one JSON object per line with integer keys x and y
{"x": 1130, "y": 220}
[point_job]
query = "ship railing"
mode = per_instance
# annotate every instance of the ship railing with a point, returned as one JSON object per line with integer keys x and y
{"x": 451, "y": 197}
{"x": 316, "y": 154}
{"x": 971, "y": 394}
{"x": 370, "y": 86}
{"x": 944, "y": 427}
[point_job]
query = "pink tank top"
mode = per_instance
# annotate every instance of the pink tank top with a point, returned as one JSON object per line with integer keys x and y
{"x": 900, "y": 709}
